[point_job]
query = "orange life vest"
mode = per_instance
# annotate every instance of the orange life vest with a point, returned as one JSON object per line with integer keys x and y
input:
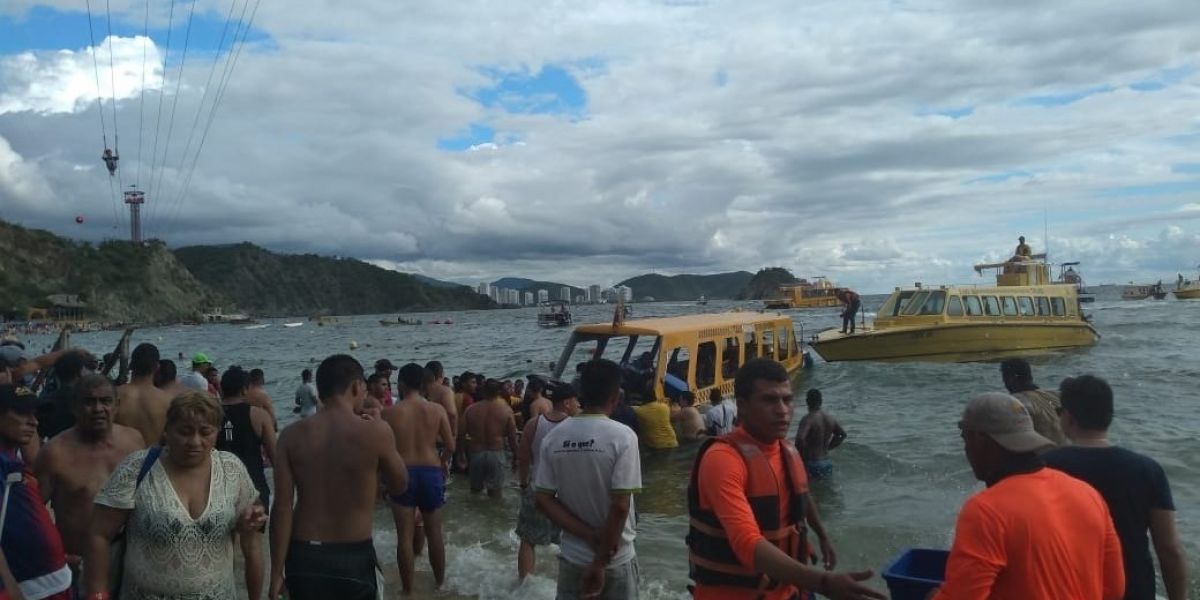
{"x": 711, "y": 560}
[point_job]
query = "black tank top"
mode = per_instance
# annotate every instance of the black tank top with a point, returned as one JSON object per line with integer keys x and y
{"x": 237, "y": 435}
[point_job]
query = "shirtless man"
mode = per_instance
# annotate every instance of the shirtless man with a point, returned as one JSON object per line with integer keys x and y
{"x": 327, "y": 470}
{"x": 440, "y": 394}
{"x": 143, "y": 406}
{"x": 419, "y": 426}
{"x": 256, "y": 395}
{"x": 167, "y": 378}
{"x": 73, "y": 466}
{"x": 817, "y": 434}
{"x": 486, "y": 425}
{"x": 540, "y": 404}
{"x": 689, "y": 422}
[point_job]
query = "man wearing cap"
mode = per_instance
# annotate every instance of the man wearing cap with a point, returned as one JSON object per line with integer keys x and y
{"x": 1034, "y": 532}
{"x": 385, "y": 368}
{"x": 196, "y": 380}
{"x": 533, "y": 527}
{"x": 28, "y": 538}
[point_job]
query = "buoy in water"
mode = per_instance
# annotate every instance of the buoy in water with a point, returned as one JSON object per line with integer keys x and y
{"x": 353, "y": 345}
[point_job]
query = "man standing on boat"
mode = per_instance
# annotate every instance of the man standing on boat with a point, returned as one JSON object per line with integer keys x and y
{"x": 853, "y": 304}
{"x": 1023, "y": 250}
{"x": 749, "y": 505}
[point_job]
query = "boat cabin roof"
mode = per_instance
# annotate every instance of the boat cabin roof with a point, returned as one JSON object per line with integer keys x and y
{"x": 686, "y": 323}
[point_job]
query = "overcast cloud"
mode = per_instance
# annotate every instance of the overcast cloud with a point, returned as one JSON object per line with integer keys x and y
{"x": 879, "y": 143}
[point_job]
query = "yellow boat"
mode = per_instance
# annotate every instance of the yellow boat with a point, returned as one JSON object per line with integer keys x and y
{"x": 696, "y": 353}
{"x": 1024, "y": 313}
{"x": 1187, "y": 289}
{"x": 818, "y": 293}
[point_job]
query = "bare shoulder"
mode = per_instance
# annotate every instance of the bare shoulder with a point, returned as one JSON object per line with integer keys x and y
{"x": 128, "y": 438}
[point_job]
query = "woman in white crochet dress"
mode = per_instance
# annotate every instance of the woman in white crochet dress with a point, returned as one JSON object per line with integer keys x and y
{"x": 181, "y": 507}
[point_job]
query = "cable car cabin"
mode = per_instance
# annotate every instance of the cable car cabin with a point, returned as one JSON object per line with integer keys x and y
{"x": 662, "y": 358}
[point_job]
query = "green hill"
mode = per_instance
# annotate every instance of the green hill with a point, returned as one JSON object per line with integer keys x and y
{"x": 118, "y": 281}
{"x": 765, "y": 283}
{"x": 266, "y": 283}
{"x": 688, "y": 287}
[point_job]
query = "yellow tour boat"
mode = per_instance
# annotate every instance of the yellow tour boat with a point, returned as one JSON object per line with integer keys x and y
{"x": 1024, "y": 313}
{"x": 818, "y": 293}
{"x": 661, "y": 358}
{"x": 1187, "y": 289}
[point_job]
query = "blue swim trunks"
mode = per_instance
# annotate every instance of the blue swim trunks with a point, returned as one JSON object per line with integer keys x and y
{"x": 819, "y": 469}
{"x": 426, "y": 489}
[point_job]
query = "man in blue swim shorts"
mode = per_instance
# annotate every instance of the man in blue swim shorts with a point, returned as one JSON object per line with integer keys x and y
{"x": 419, "y": 426}
{"x": 817, "y": 434}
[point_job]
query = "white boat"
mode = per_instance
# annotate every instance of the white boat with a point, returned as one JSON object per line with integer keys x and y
{"x": 293, "y": 324}
{"x": 259, "y": 326}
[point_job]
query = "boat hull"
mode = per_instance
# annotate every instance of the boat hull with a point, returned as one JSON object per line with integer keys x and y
{"x": 966, "y": 342}
{"x": 1188, "y": 294}
{"x": 802, "y": 304}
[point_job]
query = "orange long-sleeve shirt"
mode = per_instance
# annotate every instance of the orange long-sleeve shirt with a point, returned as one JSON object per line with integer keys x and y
{"x": 1041, "y": 535}
{"x": 722, "y": 485}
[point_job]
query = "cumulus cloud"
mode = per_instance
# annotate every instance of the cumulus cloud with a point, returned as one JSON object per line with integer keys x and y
{"x": 66, "y": 80}
{"x": 878, "y": 145}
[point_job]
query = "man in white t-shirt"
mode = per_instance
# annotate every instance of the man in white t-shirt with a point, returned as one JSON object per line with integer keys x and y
{"x": 196, "y": 379}
{"x": 588, "y": 471}
{"x": 721, "y": 416}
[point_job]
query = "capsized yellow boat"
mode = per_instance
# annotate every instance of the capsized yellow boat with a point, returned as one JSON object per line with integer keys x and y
{"x": 1024, "y": 313}
{"x": 818, "y": 293}
{"x": 1187, "y": 289}
{"x": 698, "y": 353}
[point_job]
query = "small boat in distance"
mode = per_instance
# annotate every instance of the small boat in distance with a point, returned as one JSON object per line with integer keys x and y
{"x": 218, "y": 315}
{"x": 818, "y": 293}
{"x": 1143, "y": 292}
{"x": 399, "y": 321}
{"x": 554, "y": 314}
{"x": 1187, "y": 289}
{"x": 1068, "y": 274}
{"x": 296, "y": 324}
{"x": 702, "y": 301}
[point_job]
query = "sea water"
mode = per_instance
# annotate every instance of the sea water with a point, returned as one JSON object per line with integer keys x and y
{"x": 899, "y": 479}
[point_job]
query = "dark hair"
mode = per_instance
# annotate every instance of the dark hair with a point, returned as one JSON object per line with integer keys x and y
{"x": 143, "y": 360}
{"x": 757, "y": 369}
{"x": 257, "y": 377}
{"x": 1017, "y": 369}
{"x": 435, "y": 367}
{"x": 234, "y": 382}
{"x": 491, "y": 389}
{"x": 306, "y": 375}
{"x": 336, "y": 374}
{"x": 410, "y": 376}
{"x": 166, "y": 373}
{"x": 536, "y": 384}
{"x": 376, "y": 377}
{"x": 212, "y": 371}
{"x": 813, "y": 398}
{"x": 598, "y": 382}
{"x": 1089, "y": 399}
{"x": 687, "y": 399}
{"x": 715, "y": 396}
{"x": 69, "y": 366}
{"x": 89, "y": 383}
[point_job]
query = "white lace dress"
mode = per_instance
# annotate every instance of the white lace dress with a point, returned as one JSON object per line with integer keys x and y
{"x": 169, "y": 555}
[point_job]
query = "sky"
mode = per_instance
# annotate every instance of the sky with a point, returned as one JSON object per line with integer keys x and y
{"x": 877, "y": 142}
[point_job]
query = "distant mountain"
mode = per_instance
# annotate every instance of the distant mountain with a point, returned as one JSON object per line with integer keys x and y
{"x": 531, "y": 285}
{"x": 436, "y": 282}
{"x": 266, "y": 283}
{"x": 688, "y": 287}
{"x": 765, "y": 283}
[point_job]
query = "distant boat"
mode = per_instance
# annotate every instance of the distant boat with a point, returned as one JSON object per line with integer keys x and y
{"x": 1187, "y": 289}
{"x": 1143, "y": 292}
{"x": 818, "y": 293}
{"x": 702, "y": 301}
{"x": 1067, "y": 274}
{"x": 260, "y": 326}
{"x": 293, "y": 324}
{"x": 399, "y": 321}
{"x": 554, "y": 314}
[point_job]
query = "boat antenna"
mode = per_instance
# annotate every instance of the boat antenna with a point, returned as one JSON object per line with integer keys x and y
{"x": 1046, "y": 232}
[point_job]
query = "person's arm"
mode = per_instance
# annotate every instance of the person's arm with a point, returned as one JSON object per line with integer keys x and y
{"x": 525, "y": 452}
{"x": 106, "y": 524}
{"x": 391, "y": 465}
{"x": 802, "y": 432}
{"x": 44, "y": 361}
{"x": 813, "y": 517}
{"x": 266, "y": 431}
{"x": 447, "y": 436}
{"x": 510, "y": 430}
{"x": 608, "y": 538}
{"x": 9, "y": 582}
{"x": 562, "y": 516}
{"x": 1169, "y": 549}
{"x": 771, "y": 561}
{"x": 251, "y": 543}
{"x": 281, "y": 516}
{"x": 976, "y": 557}
{"x": 43, "y": 471}
{"x": 838, "y": 436}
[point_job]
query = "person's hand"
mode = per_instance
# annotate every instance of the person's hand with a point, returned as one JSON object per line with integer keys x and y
{"x": 828, "y": 555}
{"x": 593, "y": 580}
{"x": 277, "y": 589}
{"x": 252, "y": 519}
{"x": 846, "y": 586}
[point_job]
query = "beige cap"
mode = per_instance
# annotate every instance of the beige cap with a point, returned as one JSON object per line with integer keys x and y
{"x": 1004, "y": 419}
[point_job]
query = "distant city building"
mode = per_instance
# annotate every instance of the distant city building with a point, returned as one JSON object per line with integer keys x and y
{"x": 528, "y": 298}
{"x": 543, "y": 296}
{"x": 485, "y": 289}
{"x": 564, "y": 294}
{"x": 496, "y": 294}
{"x": 580, "y": 299}
{"x": 625, "y": 292}
{"x": 594, "y": 294}
{"x": 512, "y": 297}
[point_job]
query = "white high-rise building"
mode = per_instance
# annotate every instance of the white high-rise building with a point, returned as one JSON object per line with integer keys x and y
{"x": 625, "y": 292}
{"x": 594, "y": 294}
{"x": 528, "y": 298}
{"x": 564, "y": 294}
{"x": 543, "y": 296}
{"x": 484, "y": 289}
{"x": 512, "y": 297}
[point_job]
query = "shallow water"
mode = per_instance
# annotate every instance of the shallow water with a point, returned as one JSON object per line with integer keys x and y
{"x": 900, "y": 477}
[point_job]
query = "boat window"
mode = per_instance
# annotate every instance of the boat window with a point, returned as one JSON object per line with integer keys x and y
{"x": 914, "y": 303}
{"x": 1059, "y": 306}
{"x": 974, "y": 308}
{"x": 1026, "y": 306}
{"x": 706, "y": 364}
{"x": 1010, "y": 305}
{"x": 783, "y": 344}
{"x": 768, "y": 344}
{"x": 991, "y": 306}
{"x": 729, "y": 358}
{"x": 935, "y": 304}
{"x": 1043, "y": 306}
{"x": 955, "y": 308}
{"x": 676, "y": 379}
{"x": 751, "y": 342}
{"x": 895, "y": 303}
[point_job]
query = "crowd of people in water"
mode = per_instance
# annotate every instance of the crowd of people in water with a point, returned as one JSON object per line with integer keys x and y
{"x": 148, "y": 489}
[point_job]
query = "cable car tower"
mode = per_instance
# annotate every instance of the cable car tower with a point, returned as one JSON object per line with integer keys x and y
{"x": 135, "y": 198}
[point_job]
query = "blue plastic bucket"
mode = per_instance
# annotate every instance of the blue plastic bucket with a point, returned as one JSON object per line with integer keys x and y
{"x": 915, "y": 572}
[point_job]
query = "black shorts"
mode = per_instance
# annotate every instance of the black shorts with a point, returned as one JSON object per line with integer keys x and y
{"x": 319, "y": 571}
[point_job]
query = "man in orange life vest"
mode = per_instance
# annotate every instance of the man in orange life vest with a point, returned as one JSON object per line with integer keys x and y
{"x": 749, "y": 504}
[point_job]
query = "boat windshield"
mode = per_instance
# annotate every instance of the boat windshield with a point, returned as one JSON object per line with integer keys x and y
{"x": 896, "y": 303}
{"x": 637, "y": 356}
